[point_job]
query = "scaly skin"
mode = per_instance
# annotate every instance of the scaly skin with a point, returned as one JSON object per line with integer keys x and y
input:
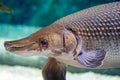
{"x": 99, "y": 27}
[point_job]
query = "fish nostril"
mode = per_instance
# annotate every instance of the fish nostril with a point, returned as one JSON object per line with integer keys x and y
{"x": 7, "y": 44}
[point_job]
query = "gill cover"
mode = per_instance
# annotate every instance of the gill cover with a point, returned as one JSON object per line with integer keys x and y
{"x": 90, "y": 59}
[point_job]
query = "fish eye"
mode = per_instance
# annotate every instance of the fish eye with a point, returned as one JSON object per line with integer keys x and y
{"x": 44, "y": 42}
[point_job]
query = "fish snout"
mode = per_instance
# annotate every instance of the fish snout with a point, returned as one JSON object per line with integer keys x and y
{"x": 23, "y": 45}
{"x": 8, "y": 45}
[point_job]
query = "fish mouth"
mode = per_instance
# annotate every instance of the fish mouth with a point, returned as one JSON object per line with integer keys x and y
{"x": 14, "y": 46}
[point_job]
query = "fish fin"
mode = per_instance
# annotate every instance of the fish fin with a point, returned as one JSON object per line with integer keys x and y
{"x": 91, "y": 59}
{"x": 5, "y": 8}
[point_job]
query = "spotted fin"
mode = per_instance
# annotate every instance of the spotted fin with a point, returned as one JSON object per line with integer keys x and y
{"x": 91, "y": 59}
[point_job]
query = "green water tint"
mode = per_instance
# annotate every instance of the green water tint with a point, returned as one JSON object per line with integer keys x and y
{"x": 39, "y": 14}
{"x": 5, "y": 8}
{"x": 43, "y": 12}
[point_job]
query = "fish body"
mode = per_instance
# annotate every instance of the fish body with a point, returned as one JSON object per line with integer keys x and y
{"x": 99, "y": 27}
{"x": 87, "y": 39}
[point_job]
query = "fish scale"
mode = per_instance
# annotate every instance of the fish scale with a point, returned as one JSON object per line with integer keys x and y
{"x": 93, "y": 20}
{"x": 99, "y": 27}
{"x": 106, "y": 23}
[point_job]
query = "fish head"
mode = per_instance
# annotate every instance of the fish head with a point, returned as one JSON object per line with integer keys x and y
{"x": 47, "y": 42}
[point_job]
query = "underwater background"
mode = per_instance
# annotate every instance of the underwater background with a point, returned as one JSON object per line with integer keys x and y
{"x": 29, "y": 16}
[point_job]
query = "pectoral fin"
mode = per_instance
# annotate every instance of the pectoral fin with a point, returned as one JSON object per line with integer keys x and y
{"x": 91, "y": 59}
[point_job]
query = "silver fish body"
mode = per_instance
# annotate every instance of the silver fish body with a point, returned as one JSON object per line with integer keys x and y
{"x": 98, "y": 27}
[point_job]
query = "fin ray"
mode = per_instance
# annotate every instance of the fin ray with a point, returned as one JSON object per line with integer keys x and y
{"x": 92, "y": 58}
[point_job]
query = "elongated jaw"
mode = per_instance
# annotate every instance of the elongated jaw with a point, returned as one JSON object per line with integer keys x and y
{"x": 22, "y": 47}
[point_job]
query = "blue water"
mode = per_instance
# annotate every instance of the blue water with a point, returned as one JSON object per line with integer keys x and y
{"x": 43, "y": 12}
{"x": 16, "y": 31}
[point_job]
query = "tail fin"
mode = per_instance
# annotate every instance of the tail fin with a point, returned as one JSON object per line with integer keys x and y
{"x": 91, "y": 59}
